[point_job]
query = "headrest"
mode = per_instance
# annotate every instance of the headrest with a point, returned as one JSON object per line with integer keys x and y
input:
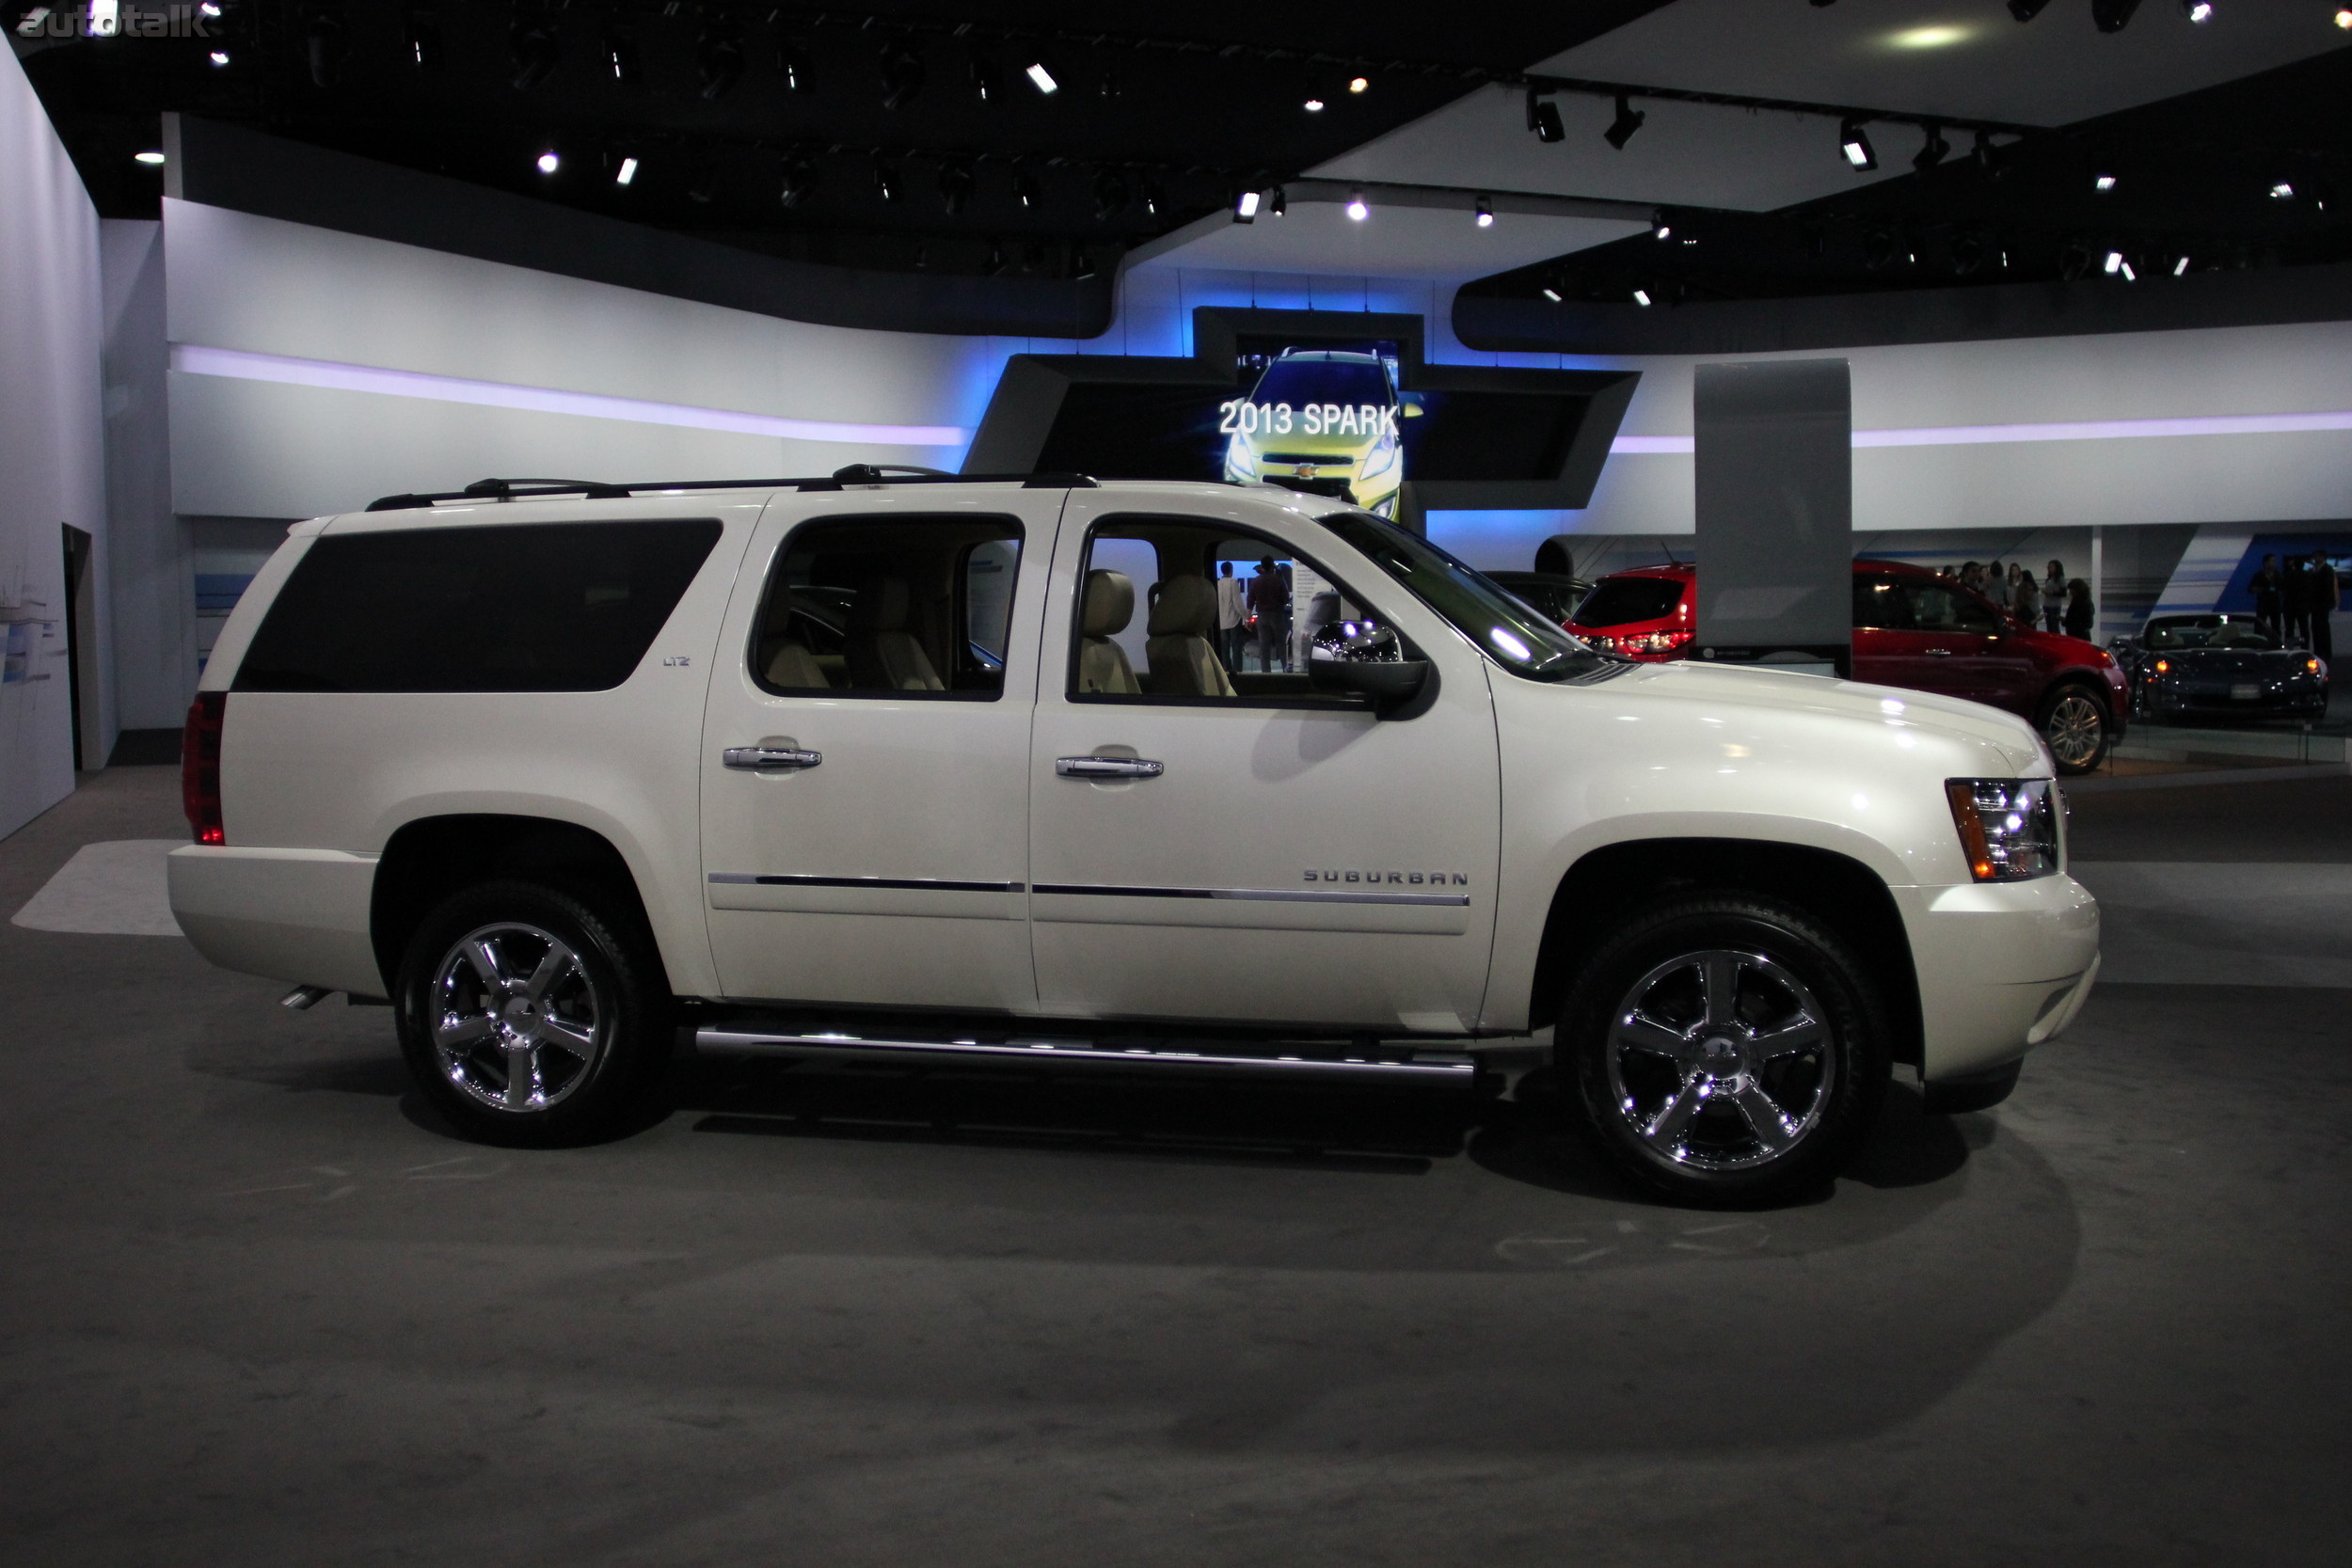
{"x": 1110, "y": 604}
{"x": 880, "y": 605}
{"x": 1183, "y": 607}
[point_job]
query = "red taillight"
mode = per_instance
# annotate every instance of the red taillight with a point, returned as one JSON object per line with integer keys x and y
{"x": 199, "y": 765}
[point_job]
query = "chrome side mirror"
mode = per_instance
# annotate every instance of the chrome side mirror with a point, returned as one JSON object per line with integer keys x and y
{"x": 1355, "y": 658}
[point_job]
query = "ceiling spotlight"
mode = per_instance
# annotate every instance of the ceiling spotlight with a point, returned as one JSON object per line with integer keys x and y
{"x": 627, "y": 173}
{"x": 1987, "y": 157}
{"x": 1111, "y": 194}
{"x": 1314, "y": 105}
{"x": 2282, "y": 190}
{"x": 1878, "y": 249}
{"x": 1933, "y": 150}
{"x": 1278, "y": 202}
{"x": 886, "y": 180}
{"x": 1356, "y": 208}
{"x": 2197, "y": 10}
{"x": 1628, "y": 122}
{"x": 622, "y": 60}
{"x": 1360, "y": 84}
{"x": 1641, "y": 296}
{"x": 2180, "y": 268}
{"x": 2112, "y": 16}
{"x": 1552, "y": 293}
{"x": 1041, "y": 79}
{"x": 956, "y": 183}
{"x": 1153, "y": 200}
{"x": 800, "y": 180}
{"x": 2344, "y": 18}
{"x": 218, "y": 57}
{"x": 1855, "y": 144}
{"x": 2102, "y": 182}
{"x": 548, "y": 162}
{"x": 152, "y": 158}
{"x": 2113, "y": 263}
{"x": 420, "y": 27}
{"x": 1245, "y": 207}
{"x": 1967, "y": 255}
{"x": 792, "y": 65}
{"x": 901, "y": 75}
{"x": 1543, "y": 117}
{"x": 984, "y": 79}
{"x": 995, "y": 263}
{"x": 532, "y": 50}
{"x": 1661, "y": 226}
{"x": 210, "y": 11}
{"x": 1486, "y": 213}
{"x": 1025, "y": 191}
{"x": 2074, "y": 260}
{"x": 719, "y": 64}
{"x": 2026, "y": 10}
{"x": 324, "y": 43}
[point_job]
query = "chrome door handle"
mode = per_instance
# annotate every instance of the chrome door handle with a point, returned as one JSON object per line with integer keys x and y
{"x": 1937, "y": 653}
{"x": 769, "y": 759}
{"x": 1108, "y": 768}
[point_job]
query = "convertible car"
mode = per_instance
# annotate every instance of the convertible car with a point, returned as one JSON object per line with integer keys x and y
{"x": 2219, "y": 666}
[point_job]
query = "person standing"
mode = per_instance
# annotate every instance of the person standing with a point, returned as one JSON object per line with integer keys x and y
{"x": 1232, "y": 615}
{"x": 2327, "y": 592}
{"x": 2026, "y": 598}
{"x": 2295, "y": 593}
{"x": 1270, "y": 603}
{"x": 2053, "y": 597}
{"x": 2080, "y": 611}
{"x": 1996, "y": 585}
{"x": 2266, "y": 586}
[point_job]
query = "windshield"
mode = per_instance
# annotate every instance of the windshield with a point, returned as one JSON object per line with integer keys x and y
{"x": 2207, "y": 631}
{"x": 1299, "y": 382}
{"x": 1505, "y": 629}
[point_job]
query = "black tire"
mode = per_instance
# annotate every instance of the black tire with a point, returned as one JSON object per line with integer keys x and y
{"x": 2061, "y": 721}
{"x": 589, "y": 1041}
{"x": 1668, "y": 1085}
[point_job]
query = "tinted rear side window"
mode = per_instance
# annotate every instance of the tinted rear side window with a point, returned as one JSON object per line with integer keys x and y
{"x": 551, "y": 607}
{"x": 1618, "y": 601}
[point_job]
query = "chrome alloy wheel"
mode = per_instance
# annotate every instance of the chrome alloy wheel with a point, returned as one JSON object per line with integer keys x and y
{"x": 1720, "y": 1061}
{"x": 516, "y": 1023}
{"x": 2076, "y": 729}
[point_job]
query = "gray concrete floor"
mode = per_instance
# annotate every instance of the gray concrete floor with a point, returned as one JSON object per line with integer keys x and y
{"x": 256, "y": 1308}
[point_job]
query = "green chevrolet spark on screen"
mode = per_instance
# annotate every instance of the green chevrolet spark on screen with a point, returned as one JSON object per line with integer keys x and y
{"x": 1322, "y": 413}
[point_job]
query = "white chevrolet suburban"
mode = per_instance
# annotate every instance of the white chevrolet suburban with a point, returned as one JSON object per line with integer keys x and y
{"x": 874, "y": 763}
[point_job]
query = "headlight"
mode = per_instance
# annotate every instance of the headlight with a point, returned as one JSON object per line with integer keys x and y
{"x": 2009, "y": 828}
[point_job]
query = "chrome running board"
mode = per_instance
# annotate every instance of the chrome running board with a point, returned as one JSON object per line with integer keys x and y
{"x": 1369, "y": 1066}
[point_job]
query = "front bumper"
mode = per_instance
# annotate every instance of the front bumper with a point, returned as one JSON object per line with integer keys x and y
{"x": 2002, "y": 967}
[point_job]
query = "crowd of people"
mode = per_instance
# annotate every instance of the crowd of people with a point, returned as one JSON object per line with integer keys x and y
{"x": 1254, "y": 614}
{"x": 2292, "y": 602}
{"x": 2055, "y": 602}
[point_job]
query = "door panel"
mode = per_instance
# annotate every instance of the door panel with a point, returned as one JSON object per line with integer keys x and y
{"x": 893, "y": 871}
{"x": 1306, "y": 863}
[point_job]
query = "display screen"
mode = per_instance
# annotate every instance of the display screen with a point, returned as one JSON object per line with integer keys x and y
{"x": 1333, "y": 410}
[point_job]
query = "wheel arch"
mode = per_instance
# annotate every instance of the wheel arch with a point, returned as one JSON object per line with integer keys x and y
{"x": 1839, "y": 891}
{"x": 427, "y": 859}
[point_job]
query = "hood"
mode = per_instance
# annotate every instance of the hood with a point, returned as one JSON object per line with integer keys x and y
{"x": 1758, "y": 687}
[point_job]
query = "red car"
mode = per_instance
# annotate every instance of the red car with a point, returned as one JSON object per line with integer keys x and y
{"x": 1912, "y": 627}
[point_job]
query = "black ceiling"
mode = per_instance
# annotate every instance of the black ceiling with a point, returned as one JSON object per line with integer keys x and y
{"x": 1159, "y": 114}
{"x": 2253, "y": 173}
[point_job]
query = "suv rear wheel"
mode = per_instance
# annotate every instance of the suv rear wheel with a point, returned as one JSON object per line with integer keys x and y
{"x": 1725, "y": 1050}
{"x": 528, "y": 1015}
{"x": 2073, "y": 721}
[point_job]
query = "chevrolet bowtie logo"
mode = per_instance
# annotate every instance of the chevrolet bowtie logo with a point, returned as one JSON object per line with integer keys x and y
{"x": 1396, "y": 879}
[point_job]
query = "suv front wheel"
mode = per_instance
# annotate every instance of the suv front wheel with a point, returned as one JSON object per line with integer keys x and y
{"x": 1725, "y": 1050}
{"x": 528, "y": 1016}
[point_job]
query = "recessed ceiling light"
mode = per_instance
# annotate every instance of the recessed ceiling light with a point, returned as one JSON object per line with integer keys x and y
{"x": 2197, "y": 10}
{"x": 1245, "y": 207}
{"x": 1641, "y": 296}
{"x": 1314, "y": 105}
{"x": 2284, "y": 190}
{"x": 1552, "y": 293}
{"x": 1939, "y": 37}
{"x": 2115, "y": 261}
{"x": 1486, "y": 213}
{"x": 626, "y": 173}
{"x": 149, "y": 157}
{"x": 2344, "y": 18}
{"x": 2102, "y": 182}
{"x": 219, "y": 57}
{"x": 1042, "y": 79}
{"x": 1360, "y": 84}
{"x": 1356, "y": 206}
{"x": 1854, "y": 143}
{"x": 550, "y": 163}
{"x": 2180, "y": 267}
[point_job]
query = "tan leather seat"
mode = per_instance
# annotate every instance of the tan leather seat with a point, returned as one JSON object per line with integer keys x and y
{"x": 1184, "y": 662}
{"x": 792, "y": 668}
{"x": 1108, "y": 605}
{"x": 881, "y": 654}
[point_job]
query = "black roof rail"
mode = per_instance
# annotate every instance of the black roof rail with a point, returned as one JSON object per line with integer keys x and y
{"x": 856, "y": 473}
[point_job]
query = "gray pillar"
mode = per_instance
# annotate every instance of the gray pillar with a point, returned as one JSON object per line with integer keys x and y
{"x": 1774, "y": 459}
